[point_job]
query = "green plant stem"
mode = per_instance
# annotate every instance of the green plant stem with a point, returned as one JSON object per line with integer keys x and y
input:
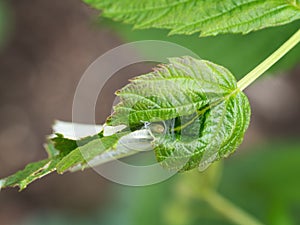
{"x": 228, "y": 209}
{"x": 270, "y": 61}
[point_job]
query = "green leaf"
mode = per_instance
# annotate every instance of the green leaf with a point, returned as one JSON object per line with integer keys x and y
{"x": 89, "y": 151}
{"x": 66, "y": 154}
{"x": 206, "y": 17}
{"x": 65, "y": 145}
{"x": 222, "y": 130}
{"x": 63, "y": 153}
{"x": 57, "y": 148}
{"x": 204, "y": 114}
{"x": 32, "y": 172}
{"x": 172, "y": 90}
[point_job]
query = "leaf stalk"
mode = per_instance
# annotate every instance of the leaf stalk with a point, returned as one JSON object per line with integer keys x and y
{"x": 268, "y": 62}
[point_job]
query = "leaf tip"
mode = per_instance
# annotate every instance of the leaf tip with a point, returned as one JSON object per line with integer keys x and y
{"x": 22, "y": 187}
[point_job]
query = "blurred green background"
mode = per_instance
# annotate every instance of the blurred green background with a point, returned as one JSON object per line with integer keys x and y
{"x": 45, "y": 46}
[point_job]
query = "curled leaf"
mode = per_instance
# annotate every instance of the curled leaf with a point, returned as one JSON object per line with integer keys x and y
{"x": 203, "y": 112}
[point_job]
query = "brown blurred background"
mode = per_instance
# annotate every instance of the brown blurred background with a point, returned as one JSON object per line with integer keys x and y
{"x": 48, "y": 47}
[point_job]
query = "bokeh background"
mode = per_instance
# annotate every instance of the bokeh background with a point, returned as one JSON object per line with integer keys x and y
{"x": 46, "y": 45}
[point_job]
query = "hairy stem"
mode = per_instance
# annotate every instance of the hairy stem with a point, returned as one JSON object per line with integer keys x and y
{"x": 228, "y": 209}
{"x": 270, "y": 61}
